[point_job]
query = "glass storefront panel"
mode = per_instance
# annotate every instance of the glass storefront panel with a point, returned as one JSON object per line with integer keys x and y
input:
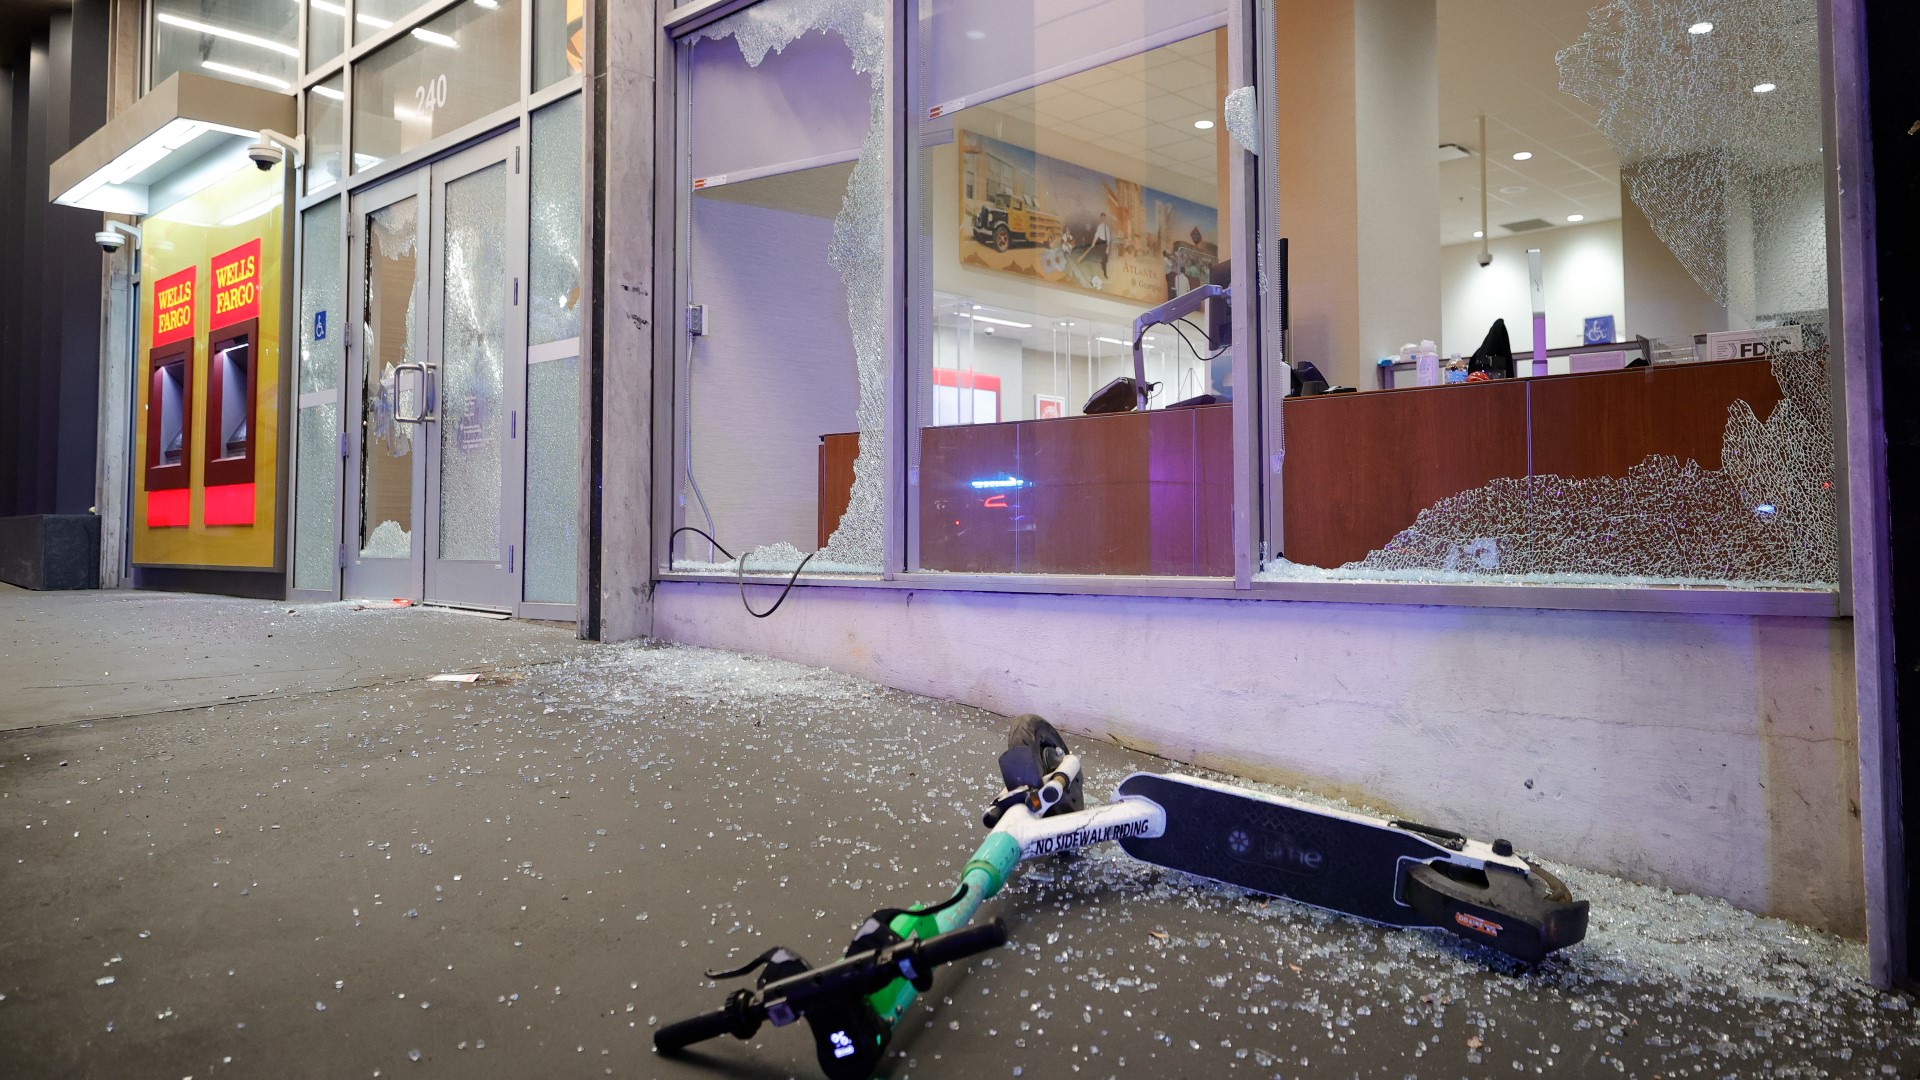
{"x": 326, "y": 114}
{"x": 557, "y": 224}
{"x": 553, "y": 481}
{"x": 322, "y": 306}
{"x": 1616, "y": 374}
{"x": 456, "y": 68}
{"x": 559, "y": 40}
{"x": 1069, "y": 194}
{"x": 326, "y": 31}
{"x": 317, "y": 498}
{"x": 239, "y": 40}
{"x": 782, "y": 396}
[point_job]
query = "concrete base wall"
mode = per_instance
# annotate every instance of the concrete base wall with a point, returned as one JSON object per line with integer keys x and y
{"x": 1710, "y": 754}
{"x": 50, "y": 551}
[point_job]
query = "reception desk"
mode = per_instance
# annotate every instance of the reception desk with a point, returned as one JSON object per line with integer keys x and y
{"x": 1360, "y": 467}
{"x": 1152, "y": 493}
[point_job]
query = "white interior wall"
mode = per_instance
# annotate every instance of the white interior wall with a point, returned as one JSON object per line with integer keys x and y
{"x": 776, "y": 368}
{"x": 1710, "y": 754}
{"x": 1585, "y": 277}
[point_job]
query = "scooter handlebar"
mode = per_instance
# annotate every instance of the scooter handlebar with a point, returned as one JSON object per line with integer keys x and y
{"x": 960, "y": 944}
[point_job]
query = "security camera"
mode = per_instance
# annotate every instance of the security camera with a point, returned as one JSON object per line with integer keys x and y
{"x": 109, "y": 240}
{"x": 264, "y": 154}
{"x": 1486, "y": 257}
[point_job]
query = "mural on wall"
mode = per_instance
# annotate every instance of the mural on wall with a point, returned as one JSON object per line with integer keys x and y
{"x": 1039, "y": 217}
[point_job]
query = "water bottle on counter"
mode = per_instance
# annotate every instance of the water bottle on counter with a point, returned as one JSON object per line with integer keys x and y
{"x": 1427, "y": 364}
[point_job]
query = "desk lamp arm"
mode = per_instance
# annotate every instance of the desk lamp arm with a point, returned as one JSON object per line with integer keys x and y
{"x": 1182, "y": 305}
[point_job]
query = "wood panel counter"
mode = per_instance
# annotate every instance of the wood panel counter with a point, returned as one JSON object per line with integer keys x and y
{"x": 1360, "y": 467}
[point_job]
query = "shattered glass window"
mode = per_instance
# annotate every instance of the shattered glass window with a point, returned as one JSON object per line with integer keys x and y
{"x": 1075, "y": 179}
{"x": 472, "y": 383}
{"x": 316, "y": 495}
{"x": 390, "y": 312}
{"x": 1617, "y": 373}
{"x": 555, "y": 228}
{"x": 553, "y": 481}
{"x": 781, "y": 395}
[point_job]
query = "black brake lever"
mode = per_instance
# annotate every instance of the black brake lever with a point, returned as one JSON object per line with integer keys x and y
{"x": 764, "y": 958}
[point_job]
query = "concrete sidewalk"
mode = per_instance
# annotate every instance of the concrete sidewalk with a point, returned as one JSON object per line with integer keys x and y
{"x": 328, "y": 866}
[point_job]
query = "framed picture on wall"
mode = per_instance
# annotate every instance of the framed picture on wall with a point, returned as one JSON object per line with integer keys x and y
{"x": 1049, "y": 407}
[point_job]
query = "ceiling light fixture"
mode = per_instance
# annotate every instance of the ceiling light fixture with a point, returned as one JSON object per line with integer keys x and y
{"x": 244, "y": 73}
{"x": 169, "y": 19}
{"x": 976, "y": 35}
{"x": 1203, "y": 125}
{"x": 1478, "y": 235}
{"x": 1576, "y": 217}
{"x": 434, "y": 37}
{"x": 1699, "y": 28}
{"x": 1765, "y": 88}
{"x": 998, "y": 322}
{"x": 330, "y": 92}
{"x": 1524, "y": 155}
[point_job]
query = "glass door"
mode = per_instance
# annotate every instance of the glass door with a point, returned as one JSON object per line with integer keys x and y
{"x": 437, "y": 366}
{"x": 477, "y": 371}
{"x": 387, "y": 377}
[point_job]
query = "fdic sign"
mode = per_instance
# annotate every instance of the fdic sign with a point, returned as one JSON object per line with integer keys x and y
{"x": 1752, "y": 344}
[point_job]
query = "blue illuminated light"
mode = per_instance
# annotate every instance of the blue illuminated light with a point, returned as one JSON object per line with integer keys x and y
{"x": 998, "y": 482}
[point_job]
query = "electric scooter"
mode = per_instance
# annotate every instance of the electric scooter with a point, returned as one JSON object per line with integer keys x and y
{"x": 1397, "y": 873}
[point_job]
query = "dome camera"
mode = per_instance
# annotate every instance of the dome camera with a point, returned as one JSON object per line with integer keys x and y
{"x": 1486, "y": 258}
{"x": 109, "y": 240}
{"x": 264, "y": 154}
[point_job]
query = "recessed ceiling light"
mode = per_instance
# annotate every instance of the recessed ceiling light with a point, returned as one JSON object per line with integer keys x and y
{"x": 1513, "y": 189}
{"x": 1477, "y": 234}
{"x": 1765, "y": 88}
{"x": 1700, "y": 28}
{"x": 1524, "y": 155}
{"x": 1576, "y": 217}
{"x": 1203, "y": 125}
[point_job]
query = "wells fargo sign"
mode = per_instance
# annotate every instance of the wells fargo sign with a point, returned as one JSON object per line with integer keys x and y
{"x": 173, "y": 298}
{"x": 236, "y": 285}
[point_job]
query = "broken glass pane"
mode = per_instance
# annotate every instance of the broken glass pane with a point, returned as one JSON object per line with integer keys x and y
{"x": 1719, "y": 136}
{"x": 317, "y": 493}
{"x": 472, "y": 385}
{"x": 553, "y": 480}
{"x": 553, "y": 293}
{"x": 764, "y": 236}
{"x": 321, "y": 310}
{"x": 1764, "y": 519}
{"x": 390, "y": 339}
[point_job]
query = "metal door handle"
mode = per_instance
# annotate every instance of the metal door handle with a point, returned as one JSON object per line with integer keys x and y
{"x": 426, "y": 393}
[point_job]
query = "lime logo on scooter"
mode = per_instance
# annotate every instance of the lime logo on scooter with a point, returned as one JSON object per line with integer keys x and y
{"x": 1278, "y": 851}
{"x": 1478, "y": 924}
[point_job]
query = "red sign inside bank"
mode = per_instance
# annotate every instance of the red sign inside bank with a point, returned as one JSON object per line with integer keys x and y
{"x": 236, "y": 285}
{"x": 173, "y": 298}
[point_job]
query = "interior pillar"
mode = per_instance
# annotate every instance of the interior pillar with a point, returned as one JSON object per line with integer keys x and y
{"x": 1358, "y": 96}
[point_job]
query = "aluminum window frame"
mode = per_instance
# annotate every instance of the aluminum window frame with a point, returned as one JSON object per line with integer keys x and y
{"x": 1258, "y": 513}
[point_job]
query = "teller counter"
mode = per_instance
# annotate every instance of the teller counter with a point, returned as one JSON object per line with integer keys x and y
{"x": 1152, "y": 493}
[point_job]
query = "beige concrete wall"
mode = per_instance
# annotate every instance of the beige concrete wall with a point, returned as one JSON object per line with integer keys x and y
{"x": 1710, "y": 754}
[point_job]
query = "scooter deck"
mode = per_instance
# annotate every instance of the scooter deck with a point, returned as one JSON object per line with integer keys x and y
{"x": 1325, "y": 858}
